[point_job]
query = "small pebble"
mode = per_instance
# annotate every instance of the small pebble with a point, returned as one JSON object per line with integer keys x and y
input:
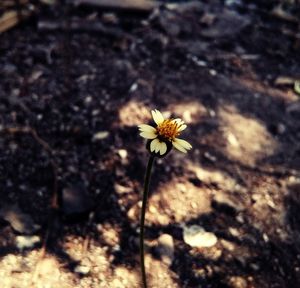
{"x": 23, "y": 242}
{"x": 81, "y": 269}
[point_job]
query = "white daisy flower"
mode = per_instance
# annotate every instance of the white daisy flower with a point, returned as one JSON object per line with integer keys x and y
{"x": 164, "y": 135}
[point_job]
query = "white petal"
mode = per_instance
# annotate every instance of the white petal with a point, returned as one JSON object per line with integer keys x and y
{"x": 182, "y": 127}
{"x": 157, "y": 147}
{"x": 183, "y": 143}
{"x": 178, "y": 121}
{"x": 178, "y": 147}
{"x": 154, "y": 144}
{"x": 163, "y": 148}
{"x": 148, "y": 135}
{"x": 157, "y": 117}
{"x": 146, "y": 128}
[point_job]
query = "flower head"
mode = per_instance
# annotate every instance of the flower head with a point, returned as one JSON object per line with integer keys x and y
{"x": 164, "y": 136}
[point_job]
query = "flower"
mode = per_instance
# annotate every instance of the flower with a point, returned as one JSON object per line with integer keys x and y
{"x": 164, "y": 135}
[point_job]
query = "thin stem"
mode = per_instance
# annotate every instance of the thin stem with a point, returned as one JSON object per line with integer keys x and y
{"x": 142, "y": 223}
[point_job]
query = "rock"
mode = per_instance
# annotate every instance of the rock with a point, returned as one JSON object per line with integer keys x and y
{"x": 237, "y": 282}
{"x": 123, "y": 153}
{"x": 133, "y": 87}
{"x": 110, "y": 18}
{"x": 186, "y": 7}
{"x": 35, "y": 75}
{"x": 227, "y": 24}
{"x": 171, "y": 22}
{"x": 167, "y": 21}
{"x": 254, "y": 266}
{"x": 210, "y": 157}
{"x": 232, "y": 140}
{"x": 196, "y": 236}
{"x": 281, "y": 128}
{"x": 23, "y": 242}
{"x": 100, "y": 135}
{"x": 82, "y": 270}
{"x": 266, "y": 237}
{"x": 234, "y": 232}
{"x": 120, "y": 189}
{"x": 165, "y": 248}
{"x": 133, "y": 213}
{"x": 76, "y": 202}
{"x": 240, "y": 218}
{"x": 9, "y": 69}
{"x": 19, "y": 221}
{"x": 208, "y": 18}
{"x": 227, "y": 245}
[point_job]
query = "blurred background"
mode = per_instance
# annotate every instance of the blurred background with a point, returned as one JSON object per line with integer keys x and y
{"x": 78, "y": 76}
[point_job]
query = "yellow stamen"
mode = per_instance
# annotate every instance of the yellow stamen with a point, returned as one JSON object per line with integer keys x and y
{"x": 168, "y": 129}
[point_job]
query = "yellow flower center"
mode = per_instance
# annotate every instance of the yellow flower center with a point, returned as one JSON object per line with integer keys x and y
{"x": 168, "y": 129}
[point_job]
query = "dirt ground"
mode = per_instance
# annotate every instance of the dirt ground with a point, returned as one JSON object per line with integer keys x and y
{"x": 71, "y": 100}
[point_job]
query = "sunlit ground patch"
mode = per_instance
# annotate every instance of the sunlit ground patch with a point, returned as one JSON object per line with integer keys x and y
{"x": 190, "y": 112}
{"x": 133, "y": 113}
{"x": 246, "y": 139}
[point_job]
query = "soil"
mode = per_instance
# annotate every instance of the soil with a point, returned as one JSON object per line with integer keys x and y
{"x": 70, "y": 105}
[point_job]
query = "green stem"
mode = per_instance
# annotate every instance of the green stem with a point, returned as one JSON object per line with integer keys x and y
{"x": 142, "y": 223}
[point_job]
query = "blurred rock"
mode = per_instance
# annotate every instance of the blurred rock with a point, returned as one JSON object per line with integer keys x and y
{"x": 173, "y": 23}
{"x": 19, "y": 221}
{"x": 35, "y": 75}
{"x": 196, "y": 236}
{"x": 227, "y": 24}
{"x": 23, "y": 242}
{"x": 234, "y": 232}
{"x": 120, "y": 189}
{"x": 231, "y": 138}
{"x": 185, "y": 7}
{"x": 165, "y": 248}
{"x": 9, "y": 69}
{"x": 169, "y": 23}
{"x": 227, "y": 245}
{"x": 100, "y": 135}
{"x": 76, "y": 202}
{"x": 122, "y": 153}
{"x": 82, "y": 270}
{"x": 110, "y": 18}
{"x": 237, "y": 282}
